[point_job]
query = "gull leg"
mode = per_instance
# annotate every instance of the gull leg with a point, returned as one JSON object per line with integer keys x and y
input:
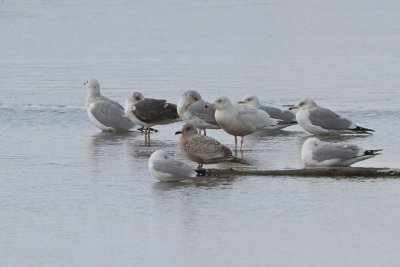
{"x": 235, "y": 142}
{"x": 145, "y": 136}
{"x": 148, "y": 136}
{"x": 241, "y": 143}
{"x": 205, "y": 132}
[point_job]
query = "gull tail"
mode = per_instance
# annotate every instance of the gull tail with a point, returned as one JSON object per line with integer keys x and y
{"x": 362, "y": 130}
{"x": 372, "y": 152}
{"x": 238, "y": 160}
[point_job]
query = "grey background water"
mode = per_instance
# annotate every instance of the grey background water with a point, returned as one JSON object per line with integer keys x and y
{"x": 72, "y": 196}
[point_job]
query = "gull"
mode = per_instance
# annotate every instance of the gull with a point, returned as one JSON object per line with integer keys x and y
{"x": 192, "y": 109}
{"x": 165, "y": 168}
{"x": 319, "y": 121}
{"x": 106, "y": 114}
{"x": 148, "y": 112}
{"x": 316, "y": 153}
{"x": 286, "y": 118}
{"x": 240, "y": 119}
{"x": 203, "y": 149}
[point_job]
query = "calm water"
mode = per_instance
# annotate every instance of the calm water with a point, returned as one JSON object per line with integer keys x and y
{"x": 72, "y": 196}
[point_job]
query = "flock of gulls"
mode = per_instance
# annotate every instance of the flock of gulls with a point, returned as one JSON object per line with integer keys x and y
{"x": 237, "y": 119}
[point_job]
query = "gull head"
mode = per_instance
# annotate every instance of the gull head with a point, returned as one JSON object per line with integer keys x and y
{"x": 221, "y": 103}
{"x": 304, "y": 104}
{"x": 93, "y": 86}
{"x": 250, "y": 100}
{"x": 136, "y": 97}
{"x": 192, "y": 96}
{"x": 187, "y": 128}
{"x": 159, "y": 154}
{"x": 312, "y": 142}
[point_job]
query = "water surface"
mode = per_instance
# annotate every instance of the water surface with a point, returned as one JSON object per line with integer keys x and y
{"x": 73, "y": 196}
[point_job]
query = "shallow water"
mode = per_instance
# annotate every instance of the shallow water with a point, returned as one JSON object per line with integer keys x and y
{"x": 73, "y": 196}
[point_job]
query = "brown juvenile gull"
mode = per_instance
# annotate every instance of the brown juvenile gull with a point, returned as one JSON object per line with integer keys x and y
{"x": 204, "y": 149}
{"x": 286, "y": 118}
{"x": 192, "y": 109}
{"x": 148, "y": 112}
{"x": 316, "y": 153}
{"x": 240, "y": 119}
{"x": 106, "y": 114}
{"x": 321, "y": 121}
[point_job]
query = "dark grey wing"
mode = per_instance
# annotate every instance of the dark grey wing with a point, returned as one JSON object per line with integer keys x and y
{"x": 170, "y": 111}
{"x": 200, "y": 110}
{"x": 336, "y": 151}
{"x": 111, "y": 114}
{"x": 285, "y": 116}
{"x": 328, "y": 119}
{"x": 154, "y": 110}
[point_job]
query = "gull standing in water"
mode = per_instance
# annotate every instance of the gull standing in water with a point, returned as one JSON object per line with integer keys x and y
{"x": 316, "y": 153}
{"x": 106, "y": 114}
{"x": 203, "y": 149}
{"x": 148, "y": 112}
{"x": 240, "y": 119}
{"x": 319, "y": 121}
{"x": 286, "y": 118}
{"x": 165, "y": 168}
{"x": 192, "y": 109}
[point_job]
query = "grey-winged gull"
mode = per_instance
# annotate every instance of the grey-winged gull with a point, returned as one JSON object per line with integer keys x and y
{"x": 316, "y": 153}
{"x": 203, "y": 149}
{"x": 106, "y": 114}
{"x": 319, "y": 121}
{"x": 286, "y": 118}
{"x": 166, "y": 168}
{"x": 240, "y": 119}
{"x": 192, "y": 109}
{"x": 148, "y": 112}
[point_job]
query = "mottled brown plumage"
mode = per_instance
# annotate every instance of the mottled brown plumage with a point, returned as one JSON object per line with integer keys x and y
{"x": 203, "y": 149}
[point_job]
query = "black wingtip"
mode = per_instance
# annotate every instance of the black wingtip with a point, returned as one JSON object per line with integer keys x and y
{"x": 372, "y": 152}
{"x": 359, "y": 129}
{"x": 202, "y": 172}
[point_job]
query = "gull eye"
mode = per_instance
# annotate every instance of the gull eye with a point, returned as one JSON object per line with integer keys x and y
{"x": 219, "y": 101}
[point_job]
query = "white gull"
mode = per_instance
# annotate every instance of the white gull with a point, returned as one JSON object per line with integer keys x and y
{"x": 321, "y": 121}
{"x": 106, "y": 114}
{"x": 316, "y": 153}
{"x": 240, "y": 119}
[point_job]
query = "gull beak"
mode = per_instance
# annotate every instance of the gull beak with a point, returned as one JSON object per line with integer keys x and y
{"x": 241, "y": 102}
{"x": 178, "y": 132}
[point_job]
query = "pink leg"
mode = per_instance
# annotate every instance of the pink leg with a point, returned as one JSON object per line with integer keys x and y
{"x": 235, "y": 141}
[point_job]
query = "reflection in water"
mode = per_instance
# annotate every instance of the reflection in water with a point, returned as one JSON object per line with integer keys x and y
{"x": 105, "y": 147}
{"x": 203, "y": 181}
{"x": 103, "y": 138}
{"x": 336, "y": 138}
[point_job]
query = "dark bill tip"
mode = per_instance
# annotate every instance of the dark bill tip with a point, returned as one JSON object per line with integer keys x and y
{"x": 178, "y": 132}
